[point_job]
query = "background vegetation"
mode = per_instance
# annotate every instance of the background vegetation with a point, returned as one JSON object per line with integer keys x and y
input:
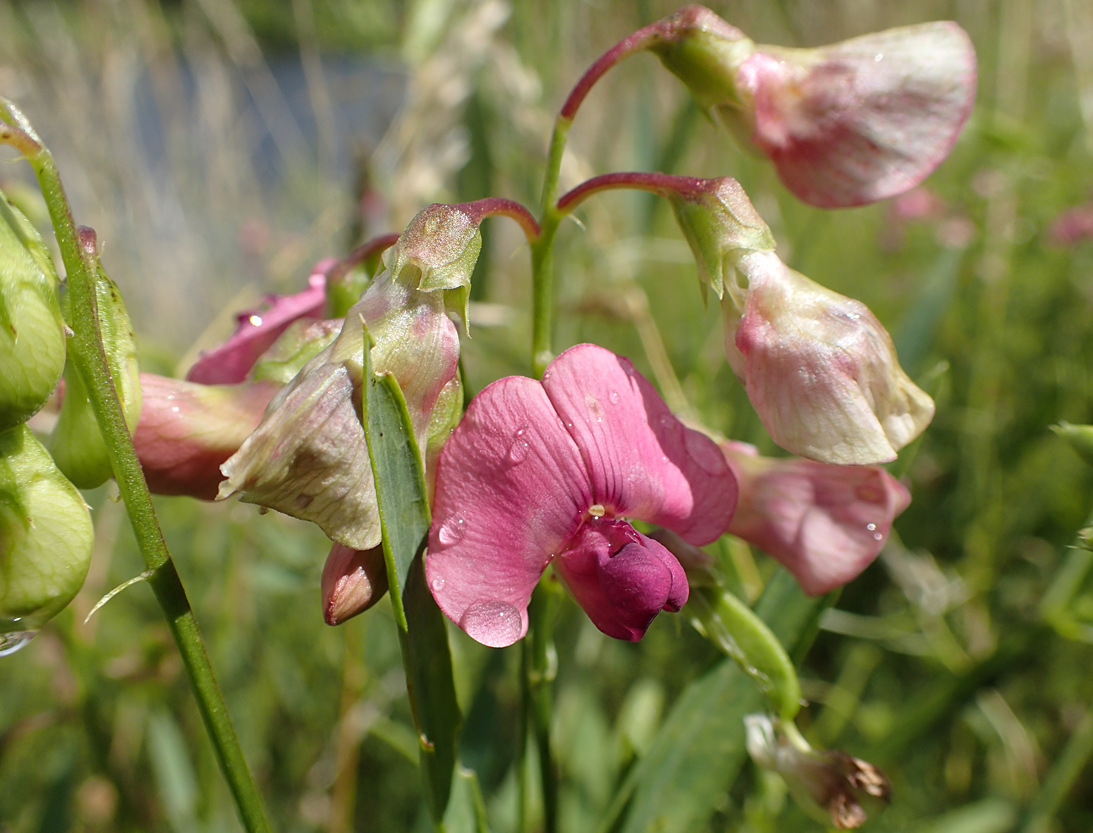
{"x": 219, "y": 148}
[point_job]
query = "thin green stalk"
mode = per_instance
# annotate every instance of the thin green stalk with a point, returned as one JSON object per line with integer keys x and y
{"x": 537, "y": 702}
{"x": 87, "y": 352}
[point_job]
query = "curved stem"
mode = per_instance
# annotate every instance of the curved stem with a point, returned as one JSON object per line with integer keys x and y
{"x": 88, "y": 354}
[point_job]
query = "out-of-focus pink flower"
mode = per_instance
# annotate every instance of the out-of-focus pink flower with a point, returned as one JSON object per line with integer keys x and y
{"x": 258, "y": 329}
{"x": 824, "y": 523}
{"x": 541, "y": 473}
{"x": 187, "y": 430}
{"x": 819, "y": 368}
{"x": 1072, "y": 226}
{"x": 845, "y": 124}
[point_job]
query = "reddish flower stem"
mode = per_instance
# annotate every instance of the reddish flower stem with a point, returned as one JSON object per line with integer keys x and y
{"x": 656, "y": 183}
{"x": 501, "y": 207}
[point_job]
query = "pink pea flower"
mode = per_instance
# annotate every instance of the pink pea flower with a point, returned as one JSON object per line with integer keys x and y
{"x": 258, "y": 329}
{"x": 187, "y": 430}
{"x": 546, "y": 473}
{"x": 820, "y": 369}
{"x": 845, "y": 124}
{"x": 824, "y": 523}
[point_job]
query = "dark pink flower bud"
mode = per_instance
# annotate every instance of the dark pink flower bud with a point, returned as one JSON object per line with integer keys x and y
{"x": 353, "y": 581}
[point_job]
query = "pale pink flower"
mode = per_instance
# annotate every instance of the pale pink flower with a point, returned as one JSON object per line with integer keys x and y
{"x": 824, "y": 523}
{"x": 546, "y": 473}
{"x": 819, "y": 368}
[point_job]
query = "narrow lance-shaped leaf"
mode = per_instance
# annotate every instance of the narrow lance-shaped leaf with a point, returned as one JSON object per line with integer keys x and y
{"x": 404, "y": 518}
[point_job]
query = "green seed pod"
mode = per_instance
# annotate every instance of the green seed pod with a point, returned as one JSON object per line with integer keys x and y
{"x": 32, "y": 338}
{"x": 45, "y": 535}
{"x": 76, "y": 442}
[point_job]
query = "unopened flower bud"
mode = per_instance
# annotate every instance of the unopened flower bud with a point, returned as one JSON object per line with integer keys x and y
{"x": 45, "y": 534}
{"x": 819, "y": 368}
{"x": 76, "y": 443}
{"x": 826, "y": 783}
{"x": 32, "y": 339}
{"x": 353, "y": 581}
{"x": 438, "y": 250}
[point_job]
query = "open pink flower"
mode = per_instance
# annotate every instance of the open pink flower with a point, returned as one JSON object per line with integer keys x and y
{"x": 824, "y": 523}
{"x": 541, "y": 473}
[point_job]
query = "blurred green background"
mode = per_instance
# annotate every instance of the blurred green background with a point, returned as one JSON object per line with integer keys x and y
{"x": 219, "y": 147}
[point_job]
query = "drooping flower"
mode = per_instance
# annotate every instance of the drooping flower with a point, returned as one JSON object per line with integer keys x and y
{"x": 845, "y": 124}
{"x": 542, "y": 473}
{"x": 824, "y": 523}
{"x": 819, "y": 368}
{"x": 309, "y": 458}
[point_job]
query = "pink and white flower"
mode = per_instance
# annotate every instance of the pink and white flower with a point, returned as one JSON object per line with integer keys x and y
{"x": 542, "y": 473}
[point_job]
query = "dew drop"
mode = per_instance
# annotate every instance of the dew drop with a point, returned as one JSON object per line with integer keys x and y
{"x": 877, "y": 536}
{"x": 255, "y": 320}
{"x": 878, "y": 57}
{"x": 12, "y": 642}
{"x": 494, "y": 623}
{"x": 437, "y": 584}
{"x": 518, "y": 451}
{"x": 452, "y": 531}
{"x": 871, "y": 527}
{"x": 613, "y": 397}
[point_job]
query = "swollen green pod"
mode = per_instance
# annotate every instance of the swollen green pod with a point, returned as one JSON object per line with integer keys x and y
{"x": 45, "y": 534}
{"x": 76, "y": 442}
{"x": 32, "y": 337}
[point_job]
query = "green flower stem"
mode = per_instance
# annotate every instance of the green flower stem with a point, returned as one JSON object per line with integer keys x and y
{"x": 539, "y": 665}
{"x": 90, "y": 359}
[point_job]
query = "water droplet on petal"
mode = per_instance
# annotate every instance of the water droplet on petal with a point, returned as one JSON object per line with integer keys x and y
{"x": 613, "y": 397}
{"x": 437, "y": 584}
{"x": 12, "y": 642}
{"x": 877, "y": 536}
{"x": 452, "y": 531}
{"x": 871, "y": 527}
{"x": 255, "y": 320}
{"x": 518, "y": 451}
{"x": 496, "y": 624}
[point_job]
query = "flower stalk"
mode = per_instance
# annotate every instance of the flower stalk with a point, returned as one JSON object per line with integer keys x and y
{"x": 88, "y": 353}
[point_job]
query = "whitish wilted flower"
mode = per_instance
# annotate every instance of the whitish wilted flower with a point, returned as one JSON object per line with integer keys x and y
{"x": 309, "y": 458}
{"x": 845, "y": 124}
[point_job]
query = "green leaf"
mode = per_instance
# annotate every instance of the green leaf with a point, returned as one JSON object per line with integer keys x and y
{"x": 423, "y": 637}
{"x": 699, "y": 749}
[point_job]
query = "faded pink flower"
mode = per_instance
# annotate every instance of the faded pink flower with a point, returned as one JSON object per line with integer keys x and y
{"x": 546, "y": 473}
{"x": 258, "y": 329}
{"x": 819, "y": 368}
{"x": 824, "y": 523}
{"x": 845, "y": 124}
{"x": 187, "y": 430}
